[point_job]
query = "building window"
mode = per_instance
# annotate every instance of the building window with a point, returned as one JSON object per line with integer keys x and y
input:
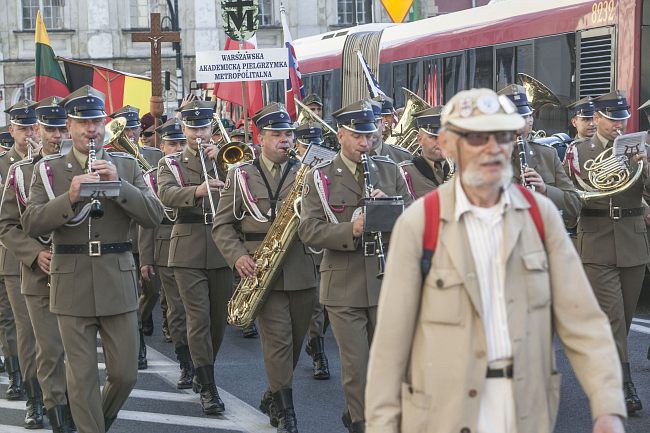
{"x": 52, "y": 11}
{"x": 266, "y": 13}
{"x": 344, "y": 8}
{"x": 139, "y": 12}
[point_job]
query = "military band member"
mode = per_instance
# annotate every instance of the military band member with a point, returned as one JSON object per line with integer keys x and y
{"x": 387, "y": 116}
{"x": 349, "y": 287}
{"x": 23, "y": 131}
{"x": 314, "y": 103}
{"x": 612, "y": 238}
{"x": 544, "y": 171}
{"x": 203, "y": 277}
{"x": 430, "y": 169}
{"x": 238, "y": 231}
{"x": 582, "y": 118}
{"x": 154, "y": 258}
{"x": 645, "y": 108}
{"x": 92, "y": 272}
{"x": 6, "y": 140}
{"x": 395, "y": 153}
{"x": 306, "y": 134}
{"x": 35, "y": 256}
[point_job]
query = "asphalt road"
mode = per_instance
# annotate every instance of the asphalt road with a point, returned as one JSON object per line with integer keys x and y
{"x": 155, "y": 406}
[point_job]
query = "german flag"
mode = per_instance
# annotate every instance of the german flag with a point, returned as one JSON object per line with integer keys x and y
{"x": 120, "y": 88}
{"x": 49, "y": 77}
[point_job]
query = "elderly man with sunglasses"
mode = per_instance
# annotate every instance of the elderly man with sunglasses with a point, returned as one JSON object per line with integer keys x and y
{"x": 465, "y": 343}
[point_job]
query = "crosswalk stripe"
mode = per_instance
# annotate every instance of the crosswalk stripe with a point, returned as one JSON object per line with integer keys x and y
{"x": 4, "y": 428}
{"x": 639, "y": 328}
{"x": 641, "y": 320}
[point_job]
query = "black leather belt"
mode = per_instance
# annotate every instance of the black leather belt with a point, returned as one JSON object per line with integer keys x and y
{"x": 505, "y": 372}
{"x": 254, "y": 237}
{"x": 614, "y": 213}
{"x": 194, "y": 219}
{"x": 93, "y": 248}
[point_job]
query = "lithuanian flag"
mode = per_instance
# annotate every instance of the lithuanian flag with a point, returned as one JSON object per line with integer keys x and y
{"x": 49, "y": 77}
{"x": 120, "y": 88}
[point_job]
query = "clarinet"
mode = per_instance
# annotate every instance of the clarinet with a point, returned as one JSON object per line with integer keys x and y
{"x": 523, "y": 163}
{"x": 379, "y": 243}
{"x": 96, "y": 210}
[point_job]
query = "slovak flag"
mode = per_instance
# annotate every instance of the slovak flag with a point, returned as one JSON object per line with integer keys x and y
{"x": 294, "y": 86}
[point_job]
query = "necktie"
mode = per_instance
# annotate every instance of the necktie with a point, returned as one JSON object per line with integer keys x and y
{"x": 275, "y": 171}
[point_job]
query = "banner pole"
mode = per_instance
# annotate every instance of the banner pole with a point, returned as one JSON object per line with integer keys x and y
{"x": 244, "y": 101}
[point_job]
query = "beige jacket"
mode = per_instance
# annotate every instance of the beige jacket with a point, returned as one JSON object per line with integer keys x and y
{"x": 428, "y": 359}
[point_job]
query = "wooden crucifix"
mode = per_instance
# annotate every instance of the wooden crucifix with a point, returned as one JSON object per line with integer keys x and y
{"x": 155, "y": 37}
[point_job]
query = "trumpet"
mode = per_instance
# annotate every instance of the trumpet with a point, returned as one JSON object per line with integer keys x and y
{"x": 206, "y": 176}
{"x": 379, "y": 243}
{"x": 96, "y": 210}
{"x": 523, "y": 163}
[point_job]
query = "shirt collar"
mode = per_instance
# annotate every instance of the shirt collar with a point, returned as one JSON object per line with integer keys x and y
{"x": 351, "y": 165}
{"x": 463, "y": 204}
{"x": 269, "y": 164}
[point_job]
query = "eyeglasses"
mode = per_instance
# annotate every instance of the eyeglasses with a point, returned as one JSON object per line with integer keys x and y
{"x": 481, "y": 138}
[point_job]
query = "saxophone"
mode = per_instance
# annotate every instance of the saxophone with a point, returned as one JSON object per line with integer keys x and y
{"x": 251, "y": 292}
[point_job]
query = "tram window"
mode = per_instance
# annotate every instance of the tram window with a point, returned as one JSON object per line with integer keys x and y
{"x": 316, "y": 85}
{"x": 400, "y": 78}
{"x": 505, "y": 67}
{"x": 274, "y": 91}
{"x": 525, "y": 59}
{"x": 432, "y": 82}
{"x": 326, "y": 96}
{"x": 453, "y": 76}
{"x": 480, "y": 68}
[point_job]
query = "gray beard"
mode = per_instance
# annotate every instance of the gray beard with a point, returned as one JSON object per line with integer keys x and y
{"x": 474, "y": 179}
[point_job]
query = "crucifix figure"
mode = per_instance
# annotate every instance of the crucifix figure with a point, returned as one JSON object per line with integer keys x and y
{"x": 155, "y": 37}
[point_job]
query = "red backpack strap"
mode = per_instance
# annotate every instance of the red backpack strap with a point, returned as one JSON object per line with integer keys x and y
{"x": 431, "y": 230}
{"x": 534, "y": 210}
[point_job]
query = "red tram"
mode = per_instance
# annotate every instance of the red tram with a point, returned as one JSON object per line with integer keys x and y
{"x": 575, "y": 47}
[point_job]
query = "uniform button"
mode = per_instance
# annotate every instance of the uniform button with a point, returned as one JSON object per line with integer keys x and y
{"x": 345, "y": 245}
{"x": 439, "y": 283}
{"x": 465, "y": 430}
{"x": 123, "y": 200}
{"x": 472, "y": 393}
{"x": 96, "y": 235}
{"x": 329, "y": 266}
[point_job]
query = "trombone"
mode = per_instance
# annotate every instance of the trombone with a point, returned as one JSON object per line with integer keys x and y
{"x": 206, "y": 176}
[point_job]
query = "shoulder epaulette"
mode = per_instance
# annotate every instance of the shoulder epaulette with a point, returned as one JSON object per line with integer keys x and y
{"x": 541, "y": 143}
{"x": 382, "y": 158}
{"x": 405, "y": 163}
{"x": 579, "y": 140}
{"x": 3, "y": 153}
{"x": 121, "y": 155}
{"x": 151, "y": 148}
{"x": 400, "y": 148}
{"x": 22, "y": 162}
{"x": 174, "y": 155}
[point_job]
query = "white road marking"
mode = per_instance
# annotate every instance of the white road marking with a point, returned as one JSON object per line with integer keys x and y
{"x": 641, "y": 320}
{"x": 639, "y": 328}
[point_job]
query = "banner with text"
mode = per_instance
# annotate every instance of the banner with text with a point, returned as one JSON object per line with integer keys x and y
{"x": 242, "y": 65}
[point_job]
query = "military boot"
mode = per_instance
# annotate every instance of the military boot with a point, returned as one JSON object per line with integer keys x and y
{"x": 15, "y": 388}
{"x": 632, "y": 400}
{"x": 210, "y": 400}
{"x": 34, "y": 414}
{"x": 142, "y": 353}
{"x": 268, "y": 407}
{"x": 187, "y": 369}
{"x": 287, "y": 422}
{"x": 60, "y": 419}
{"x": 316, "y": 349}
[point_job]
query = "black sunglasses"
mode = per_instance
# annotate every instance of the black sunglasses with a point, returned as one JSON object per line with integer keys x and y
{"x": 481, "y": 138}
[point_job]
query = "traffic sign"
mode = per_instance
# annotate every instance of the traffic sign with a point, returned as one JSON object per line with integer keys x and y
{"x": 397, "y": 9}
{"x": 240, "y": 18}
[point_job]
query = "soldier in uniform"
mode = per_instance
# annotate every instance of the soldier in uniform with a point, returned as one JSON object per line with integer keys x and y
{"x": 34, "y": 255}
{"x": 154, "y": 258}
{"x": 429, "y": 170}
{"x": 395, "y": 153}
{"x": 314, "y": 103}
{"x": 149, "y": 289}
{"x": 349, "y": 287}
{"x": 645, "y": 108}
{"x": 387, "y": 116}
{"x": 612, "y": 238}
{"x": 204, "y": 278}
{"x": 92, "y": 272}
{"x": 6, "y": 140}
{"x": 582, "y": 118}
{"x": 23, "y": 131}
{"x": 544, "y": 171}
{"x": 238, "y": 231}
{"x": 306, "y": 134}
{"x": 147, "y": 130}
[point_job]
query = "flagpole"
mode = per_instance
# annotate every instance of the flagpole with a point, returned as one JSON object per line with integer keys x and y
{"x": 245, "y": 101}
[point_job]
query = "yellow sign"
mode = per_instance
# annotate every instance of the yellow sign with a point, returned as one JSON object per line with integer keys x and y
{"x": 397, "y": 9}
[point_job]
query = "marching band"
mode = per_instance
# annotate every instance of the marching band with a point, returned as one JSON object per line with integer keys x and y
{"x": 226, "y": 232}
